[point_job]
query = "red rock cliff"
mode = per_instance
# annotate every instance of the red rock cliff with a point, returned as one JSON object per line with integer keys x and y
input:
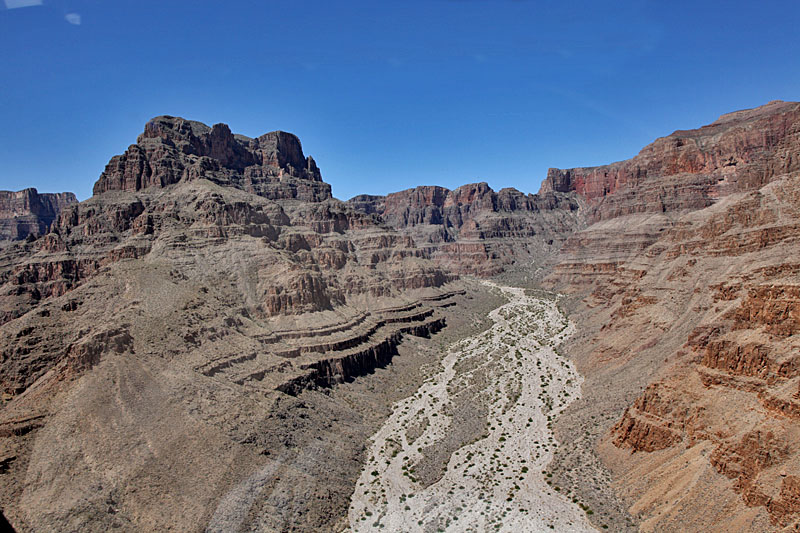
{"x": 690, "y": 314}
{"x": 29, "y": 212}
{"x": 690, "y": 169}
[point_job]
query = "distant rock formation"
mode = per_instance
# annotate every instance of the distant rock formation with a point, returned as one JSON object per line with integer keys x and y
{"x": 475, "y": 230}
{"x": 172, "y": 149}
{"x": 28, "y": 212}
{"x": 691, "y": 169}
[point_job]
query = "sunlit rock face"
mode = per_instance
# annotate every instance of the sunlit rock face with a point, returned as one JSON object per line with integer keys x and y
{"x": 690, "y": 307}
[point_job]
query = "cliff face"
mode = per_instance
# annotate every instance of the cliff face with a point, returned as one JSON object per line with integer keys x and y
{"x": 475, "y": 230}
{"x": 173, "y": 149}
{"x": 690, "y": 313}
{"x": 28, "y": 212}
{"x": 692, "y": 169}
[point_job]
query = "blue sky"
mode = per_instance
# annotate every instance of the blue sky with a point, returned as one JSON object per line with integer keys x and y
{"x": 384, "y": 94}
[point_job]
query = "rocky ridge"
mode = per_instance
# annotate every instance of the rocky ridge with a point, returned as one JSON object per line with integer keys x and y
{"x": 691, "y": 169}
{"x": 28, "y": 212}
{"x": 475, "y": 230}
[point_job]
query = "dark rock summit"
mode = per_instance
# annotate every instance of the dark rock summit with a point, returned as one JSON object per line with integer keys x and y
{"x": 173, "y": 149}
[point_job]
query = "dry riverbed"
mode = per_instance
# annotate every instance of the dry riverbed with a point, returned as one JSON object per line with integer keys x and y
{"x": 469, "y": 450}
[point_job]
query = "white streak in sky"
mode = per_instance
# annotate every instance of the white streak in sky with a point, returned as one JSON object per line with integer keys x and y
{"x": 13, "y": 4}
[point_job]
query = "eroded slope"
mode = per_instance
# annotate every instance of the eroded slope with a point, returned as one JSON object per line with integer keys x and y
{"x": 689, "y": 314}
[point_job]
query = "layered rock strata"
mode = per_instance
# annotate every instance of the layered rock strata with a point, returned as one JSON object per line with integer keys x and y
{"x": 475, "y": 230}
{"x": 690, "y": 310}
{"x": 28, "y": 212}
{"x": 179, "y": 326}
{"x": 173, "y": 149}
{"x": 691, "y": 169}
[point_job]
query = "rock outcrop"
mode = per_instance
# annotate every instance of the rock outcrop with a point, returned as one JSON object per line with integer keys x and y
{"x": 475, "y": 230}
{"x": 28, "y": 212}
{"x": 173, "y": 149}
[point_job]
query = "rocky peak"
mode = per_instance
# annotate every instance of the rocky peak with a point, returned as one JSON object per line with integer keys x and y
{"x": 27, "y": 212}
{"x": 221, "y": 145}
{"x": 472, "y": 193}
{"x": 174, "y": 129}
{"x": 281, "y": 149}
{"x": 172, "y": 149}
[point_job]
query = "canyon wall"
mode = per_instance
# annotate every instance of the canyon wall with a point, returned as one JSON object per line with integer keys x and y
{"x": 28, "y": 212}
{"x": 475, "y": 230}
{"x": 687, "y": 290}
{"x": 146, "y": 339}
{"x": 167, "y": 340}
{"x": 691, "y": 169}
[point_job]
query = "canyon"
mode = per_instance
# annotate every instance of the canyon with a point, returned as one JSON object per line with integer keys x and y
{"x": 211, "y": 339}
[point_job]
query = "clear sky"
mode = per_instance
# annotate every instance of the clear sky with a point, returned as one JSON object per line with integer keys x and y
{"x": 385, "y": 94}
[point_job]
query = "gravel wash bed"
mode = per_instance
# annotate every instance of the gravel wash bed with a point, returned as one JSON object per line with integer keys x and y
{"x": 498, "y": 481}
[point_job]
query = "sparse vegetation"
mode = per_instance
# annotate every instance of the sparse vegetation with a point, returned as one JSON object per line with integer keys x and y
{"x": 492, "y": 370}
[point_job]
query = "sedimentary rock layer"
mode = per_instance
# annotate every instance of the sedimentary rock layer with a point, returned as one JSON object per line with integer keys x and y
{"x": 208, "y": 276}
{"x": 164, "y": 337}
{"x": 28, "y": 212}
{"x": 173, "y": 149}
{"x": 691, "y": 169}
{"x": 690, "y": 310}
{"x": 475, "y": 230}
